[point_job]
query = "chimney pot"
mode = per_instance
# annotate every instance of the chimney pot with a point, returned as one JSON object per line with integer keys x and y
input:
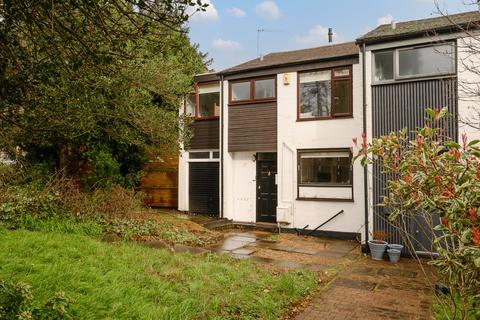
{"x": 330, "y": 35}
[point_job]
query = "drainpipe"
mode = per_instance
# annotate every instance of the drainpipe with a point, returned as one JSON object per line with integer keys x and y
{"x": 365, "y": 172}
{"x": 221, "y": 145}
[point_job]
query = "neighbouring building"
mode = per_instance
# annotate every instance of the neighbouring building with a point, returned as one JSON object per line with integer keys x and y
{"x": 411, "y": 66}
{"x": 272, "y": 137}
{"x": 199, "y": 164}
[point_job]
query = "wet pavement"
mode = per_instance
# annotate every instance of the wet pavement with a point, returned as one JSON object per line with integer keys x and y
{"x": 286, "y": 251}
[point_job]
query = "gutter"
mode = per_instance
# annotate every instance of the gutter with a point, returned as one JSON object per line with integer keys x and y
{"x": 418, "y": 34}
{"x": 221, "y": 145}
{"x": 364, "y": 119}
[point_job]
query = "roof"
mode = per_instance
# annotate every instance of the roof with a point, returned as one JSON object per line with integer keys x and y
{"x": 423, "y": 27}
{"x": 206, "y": 77}
{"x": 285, "y": 58}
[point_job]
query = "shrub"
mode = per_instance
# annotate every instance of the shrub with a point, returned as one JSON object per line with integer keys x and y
{"x": 60, "y": 205}
{"x": 434, "y": 176}
{"x": 17, "y": 303}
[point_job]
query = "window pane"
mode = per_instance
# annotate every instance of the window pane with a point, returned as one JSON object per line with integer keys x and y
{"x": 341, "y": 96}
{"x": 426, "y": 61}
{"x": 199, "y": 155}
{"x": 215, "y": 154}
{"x": 315, "y": 94}
{"x": 264, "y": 89}
{"x": 325, "y": 170}
{"x": 341, "y": 73}
{"x": 208, "y": 104}
{"x": 241, "y": 91}
{"x": 190, "y": 105}
{"x": 383, "y": 65}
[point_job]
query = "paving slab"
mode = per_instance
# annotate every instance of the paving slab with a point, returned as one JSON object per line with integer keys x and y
{"x": 369, "y": 289}
{"x": 243, "y": 251}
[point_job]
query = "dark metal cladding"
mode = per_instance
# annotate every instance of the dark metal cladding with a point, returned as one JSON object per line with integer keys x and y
{"x": 204, "y": 187}
{"x": 399, "y": 105}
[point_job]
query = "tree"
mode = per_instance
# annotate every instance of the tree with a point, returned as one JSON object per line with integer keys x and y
{"x": 434, "y": 176}
{"x": 94, "y": 82}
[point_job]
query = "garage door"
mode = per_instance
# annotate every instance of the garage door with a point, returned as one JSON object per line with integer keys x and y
{"x": 204, "y": 187}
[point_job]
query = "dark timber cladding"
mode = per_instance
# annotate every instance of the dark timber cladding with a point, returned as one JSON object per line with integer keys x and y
{"x": 206, "y": 134}
{"x": 252, "y": 127}
{"x": 399, "y": 105}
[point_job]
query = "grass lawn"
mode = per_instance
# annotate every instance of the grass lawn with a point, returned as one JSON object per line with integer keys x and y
{"x": 128, "y": 281}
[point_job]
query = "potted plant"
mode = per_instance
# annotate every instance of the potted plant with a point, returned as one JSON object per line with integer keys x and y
{"x": 378, "y": 245}
{"x": 394, "y": 251}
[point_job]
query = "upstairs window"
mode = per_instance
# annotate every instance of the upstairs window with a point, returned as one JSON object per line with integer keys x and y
{"x": 414, "y": 62}
{"x": 426, "y": 61}
{"x": 253, "y": 90}
{"x": 383, "y": 66}
{"x": 204, "y": 103}
{"x": 325, "y": 94}
{"x": 240, "y": 91}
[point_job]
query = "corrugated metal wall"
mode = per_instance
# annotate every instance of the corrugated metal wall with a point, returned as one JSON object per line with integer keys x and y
{"x": 399, "y": 105}
{"x": 204, "y": 187}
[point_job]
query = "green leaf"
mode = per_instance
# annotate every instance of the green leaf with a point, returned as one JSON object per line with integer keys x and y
{"x": 477, "y": 262}
{"x": 466, "y": 236}
{"x": 452, "y": 144}
{"x": 473, "y": 142}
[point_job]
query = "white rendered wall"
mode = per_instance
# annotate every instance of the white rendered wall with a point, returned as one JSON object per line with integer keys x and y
{"x": 468, "y": 69}
{"x": 239, "y": 170}
{"x": 332, "y": 133}
{"x": 183, "y": 181}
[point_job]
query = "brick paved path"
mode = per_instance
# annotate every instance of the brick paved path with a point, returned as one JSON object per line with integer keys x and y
{"x": 369, "y": 289}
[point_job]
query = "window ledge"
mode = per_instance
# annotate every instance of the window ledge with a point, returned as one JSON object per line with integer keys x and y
{"x": 206, "y": 118}
{"x": 325, "y": 199}
{"x": 325, "y": 118}
{"x": 412, "y": 79}
{"x": 251, "y": 102}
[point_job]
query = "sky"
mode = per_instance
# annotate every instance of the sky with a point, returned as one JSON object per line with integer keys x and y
{"x": 227, "y": 30}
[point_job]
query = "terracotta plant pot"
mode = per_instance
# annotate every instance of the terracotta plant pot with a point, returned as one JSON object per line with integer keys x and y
{"x": 377, "y": 249}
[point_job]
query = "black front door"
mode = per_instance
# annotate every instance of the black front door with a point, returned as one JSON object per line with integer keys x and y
{"x": 266, "y": 189}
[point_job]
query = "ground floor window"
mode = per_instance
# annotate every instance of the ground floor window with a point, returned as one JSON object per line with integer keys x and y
{"x": 325, "y": 174}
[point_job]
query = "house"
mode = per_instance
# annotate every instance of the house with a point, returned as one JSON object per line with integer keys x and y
{"x": 410, "y": 66}
{"x": 199, "y": 163}
{"x": 281, "y": 152}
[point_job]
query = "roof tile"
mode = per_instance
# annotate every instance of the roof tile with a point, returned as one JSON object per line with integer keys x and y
{"x": 288, "y": 57}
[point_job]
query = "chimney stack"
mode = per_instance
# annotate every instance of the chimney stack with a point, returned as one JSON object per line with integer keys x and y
{"x": 393, "y": 24}
{"x": 330, "y": 35}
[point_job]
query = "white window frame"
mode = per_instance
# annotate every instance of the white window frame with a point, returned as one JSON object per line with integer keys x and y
{"x": 325, "y": 191}
{"x": 209, "y": 159}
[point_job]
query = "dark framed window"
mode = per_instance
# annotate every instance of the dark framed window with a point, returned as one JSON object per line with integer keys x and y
{"x": 325, "y": 168}
{"x": 201, "y": 156}
{"x": 325, "y": 94}
{"x": 204, "y": 102}
{"x": 252, "y": 90}
{"x": 414, "y": 62}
